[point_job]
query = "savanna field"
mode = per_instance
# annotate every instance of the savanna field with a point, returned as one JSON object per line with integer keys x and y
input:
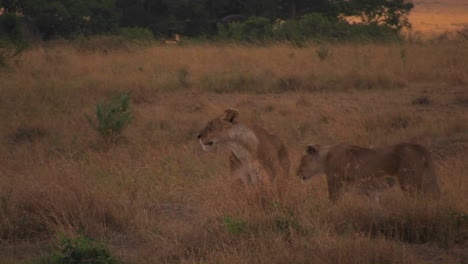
{"x": 152, "y": 195}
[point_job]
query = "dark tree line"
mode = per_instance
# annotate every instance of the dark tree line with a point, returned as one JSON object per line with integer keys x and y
{"x": 69, "y": 18}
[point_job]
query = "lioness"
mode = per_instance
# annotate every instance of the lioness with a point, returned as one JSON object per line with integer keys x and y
{"x": 348, "y": 165}
{"x": 256, "y": 155}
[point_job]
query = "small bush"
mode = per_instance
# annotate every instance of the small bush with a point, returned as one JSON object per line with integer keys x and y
{"x": 234, "y": 225}
{"x": 284, "y": 219}
{"x": 316, "y": 25}
{"x": 323, "y": 53}
{"x": 113, "y": 117}
{"x": 12, "y": 40}
{"x": 82, "y": 250}
{"x": 11, "y": 24}
{"x": 253, "y": 29}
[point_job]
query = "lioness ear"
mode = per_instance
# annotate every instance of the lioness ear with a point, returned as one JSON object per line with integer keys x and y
{"x": 230, "y": 115}
{"x": 312, "y": 150}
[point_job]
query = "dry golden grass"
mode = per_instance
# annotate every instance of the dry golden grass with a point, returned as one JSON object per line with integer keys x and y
{"x": 156, "y": 197}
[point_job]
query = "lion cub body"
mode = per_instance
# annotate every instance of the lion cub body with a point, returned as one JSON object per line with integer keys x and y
{"x": 370, "y": 169}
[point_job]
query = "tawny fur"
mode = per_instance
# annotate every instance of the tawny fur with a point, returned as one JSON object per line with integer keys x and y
{"x": 369, "y": 169}
{"x": 256, "y": 156}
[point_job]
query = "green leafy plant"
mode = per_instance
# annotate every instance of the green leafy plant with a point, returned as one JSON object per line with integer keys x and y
{"x": 323, "y": 53}
{"x": 82, "y": 250}
{"x": 234, "y": 225}
{"x": 253, "y": 29}
{"x": 284, "y": 219}
{"x": 112, "y": 117}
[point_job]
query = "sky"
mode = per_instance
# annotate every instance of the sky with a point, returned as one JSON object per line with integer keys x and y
{"x": 439, "y": 15}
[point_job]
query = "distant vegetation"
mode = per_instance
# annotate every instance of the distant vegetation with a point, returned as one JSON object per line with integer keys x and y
{"x": 81, "y": 250}
{"x": 238, "y": 20}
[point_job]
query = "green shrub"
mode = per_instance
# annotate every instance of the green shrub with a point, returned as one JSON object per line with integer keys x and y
{"x": 13, "y": 29}
{"x": 112, "y": 116}
{"x": 323, "y": 53}
{"x": 136, "y": 34}
{"x": 371, "y": 32}
{"x": 315, "y": 26}
{"x": 257, "y": 28}
{"x": 284, "y": 219}
{"x": 234, "y": 225}
{"x": 82, "y": 250}
{"x": 12, "y": 40}
{"x": 253, "y": 29}
{"x": 312, "y": 26}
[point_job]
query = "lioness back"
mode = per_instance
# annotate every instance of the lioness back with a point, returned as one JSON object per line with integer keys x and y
{"x": 346, "y": 165}
{"x": 272, "y": 152}
{"x": 358, "y": 162}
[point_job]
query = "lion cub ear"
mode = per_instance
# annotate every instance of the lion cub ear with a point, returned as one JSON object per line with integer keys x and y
{"x": 230, "y": 115}
{"x": 312, "y": 149}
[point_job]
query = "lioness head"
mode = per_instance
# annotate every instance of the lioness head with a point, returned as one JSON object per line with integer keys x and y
{"x": 216, "y": 130}
{"x": 311, "y": 163}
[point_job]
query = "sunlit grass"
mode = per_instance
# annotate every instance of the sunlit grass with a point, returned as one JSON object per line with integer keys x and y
{"x": 157, "y": 197}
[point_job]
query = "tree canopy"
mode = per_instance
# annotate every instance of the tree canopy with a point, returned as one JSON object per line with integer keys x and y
{"x": 68, "y": 18}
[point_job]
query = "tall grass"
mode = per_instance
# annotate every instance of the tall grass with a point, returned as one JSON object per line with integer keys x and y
{"x": 157, "y": 197}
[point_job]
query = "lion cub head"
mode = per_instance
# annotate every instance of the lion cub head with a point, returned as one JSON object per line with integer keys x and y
{"x": 216, "y": 131}
{"x": 311, "y": 163}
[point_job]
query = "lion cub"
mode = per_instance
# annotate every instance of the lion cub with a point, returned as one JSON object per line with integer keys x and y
{"x": 256, "y": 156}
{"x": 370, "y": 169}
